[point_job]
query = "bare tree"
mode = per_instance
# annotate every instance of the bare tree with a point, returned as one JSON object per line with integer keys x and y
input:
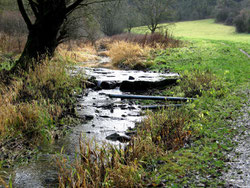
{"x": 109, "y": 17}
{"x": 153, "y": 11}
{"x": 130, "y": 15}
{"x": 45, "y": 26}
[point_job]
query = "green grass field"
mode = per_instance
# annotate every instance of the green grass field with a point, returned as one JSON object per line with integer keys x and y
{"x": 201, "y": 29}
{"x": 208, "y": 48}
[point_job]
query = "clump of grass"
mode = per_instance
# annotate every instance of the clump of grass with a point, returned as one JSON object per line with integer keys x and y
{"x": 128, "y": 55}
{"x": 167, "y": 128}
{"x": 98, "y": 167}
{"x": 12, "y": 43}
{"x": 196, "y": 82}
{"x": 155, "y": 40}
{"x": 31, "y": 104}
{"x": 75, "y": 52}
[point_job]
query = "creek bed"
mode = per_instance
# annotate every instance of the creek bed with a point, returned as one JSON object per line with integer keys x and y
{"x": 105, "y": 117}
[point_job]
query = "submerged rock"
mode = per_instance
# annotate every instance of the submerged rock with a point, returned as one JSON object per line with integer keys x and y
{"x": 109, "y": 85}
{"x": 117, "y": 137}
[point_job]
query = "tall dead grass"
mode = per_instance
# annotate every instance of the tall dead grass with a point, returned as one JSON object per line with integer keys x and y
{"x": 75, "y": 52}
{"x": 31, "y": 104}
{"x": 134, "y": 51}
{"x": 128, "y": 55}
{"x": 99, "y": 167}
{"x": 11, "y": 43}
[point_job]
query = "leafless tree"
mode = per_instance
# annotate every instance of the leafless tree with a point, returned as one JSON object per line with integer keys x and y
{"x": 46, "y": 27}
{"x": 153, "y": 11}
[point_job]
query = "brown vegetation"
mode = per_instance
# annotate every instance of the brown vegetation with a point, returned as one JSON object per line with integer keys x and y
{"x": 31, "y": 104}
{"x": 99, "y": 167}
{"x": 134, "y": 51}
{"x": 77, "y": 51}
{"x": 155, "y": 40}
{"x": 128, "y": 55}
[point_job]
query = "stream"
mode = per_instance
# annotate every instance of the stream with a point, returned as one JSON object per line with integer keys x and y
{"x": 106, "y": 120}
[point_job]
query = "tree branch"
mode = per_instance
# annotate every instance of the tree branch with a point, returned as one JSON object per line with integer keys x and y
{"x": 71, "y": 7}
{"x": 24, "y": 14}
{"x": 79, "y": 3}
{"x": 34, "y": 8}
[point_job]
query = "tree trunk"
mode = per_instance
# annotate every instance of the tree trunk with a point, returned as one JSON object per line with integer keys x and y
{"x": 42, "y": 41}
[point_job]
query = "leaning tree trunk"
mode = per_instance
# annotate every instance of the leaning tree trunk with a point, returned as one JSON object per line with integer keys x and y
{"x": 41, "y": 42}
{"x": 45, "y": 34}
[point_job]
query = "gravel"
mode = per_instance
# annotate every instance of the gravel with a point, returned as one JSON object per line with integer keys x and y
{"x": 239, "y": 173}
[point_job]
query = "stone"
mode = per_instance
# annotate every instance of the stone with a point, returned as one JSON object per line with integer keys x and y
{"x": 145, "y": 85}
{"x": 131, "y": 78}
{"x": 89, "y": 117}
{"x": 108, "y": 85}
{"x": 117, "y": 137}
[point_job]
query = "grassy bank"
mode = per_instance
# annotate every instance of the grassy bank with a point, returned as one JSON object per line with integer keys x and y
{"x": 35, "y": 105}
{"x": 188, "y": 146}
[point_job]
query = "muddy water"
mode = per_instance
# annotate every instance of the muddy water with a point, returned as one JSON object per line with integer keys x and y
{"x": 104, "y": 117}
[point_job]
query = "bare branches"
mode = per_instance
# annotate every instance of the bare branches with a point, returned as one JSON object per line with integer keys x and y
{"x": 24, "y": 14}
{"x": 70, "y": 8}
{"x": 33, "y": 6}
{"x": 77, "y": 3}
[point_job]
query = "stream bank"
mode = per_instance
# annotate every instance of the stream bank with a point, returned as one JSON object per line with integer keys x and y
{"x": 105, "y": 119}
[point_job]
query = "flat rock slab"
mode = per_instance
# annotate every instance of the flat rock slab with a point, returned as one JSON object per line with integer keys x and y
{"x": 131, "y": 80}
{"x": 144, "y": 85}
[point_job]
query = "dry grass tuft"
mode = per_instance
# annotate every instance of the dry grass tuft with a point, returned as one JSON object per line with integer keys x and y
{"x": 76, "y": 52}
{"x": 11, "y": 43}
{"x": 99, "y": 167}
{"x": 20, "y": 118}
{"x": 128, "y": 55}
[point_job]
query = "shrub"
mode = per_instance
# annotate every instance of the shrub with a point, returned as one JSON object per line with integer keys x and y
{"x": 242, "y": 22}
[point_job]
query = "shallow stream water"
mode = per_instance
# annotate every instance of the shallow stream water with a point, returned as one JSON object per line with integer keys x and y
{"x": 104, "y": 117}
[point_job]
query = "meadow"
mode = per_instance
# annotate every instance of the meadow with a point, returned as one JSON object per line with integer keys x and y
{"x": 200, "y": 29}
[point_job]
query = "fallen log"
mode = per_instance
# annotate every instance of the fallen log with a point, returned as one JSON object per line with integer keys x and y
{"x": 144, "y": 97}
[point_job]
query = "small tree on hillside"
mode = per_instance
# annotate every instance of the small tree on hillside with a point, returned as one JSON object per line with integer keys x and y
{"x": 153, "y": 12}
{"x": 45, "y": 26}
